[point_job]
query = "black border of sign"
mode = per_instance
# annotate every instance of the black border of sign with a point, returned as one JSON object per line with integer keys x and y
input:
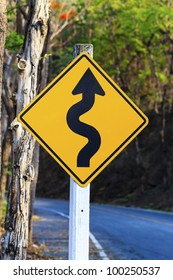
{"x": 48, "y": 89}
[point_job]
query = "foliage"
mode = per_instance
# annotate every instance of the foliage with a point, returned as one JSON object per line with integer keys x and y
{"x": 133, "y": 42}
{"x": 14, "y": 42}
{"x": 66, "y": 18}
{"x": 137, "y": 40}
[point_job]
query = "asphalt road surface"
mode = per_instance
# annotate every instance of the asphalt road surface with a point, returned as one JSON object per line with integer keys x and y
{"x": 124, "y": 233}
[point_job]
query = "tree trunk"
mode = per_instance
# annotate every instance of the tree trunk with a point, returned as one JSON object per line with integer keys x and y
{"x": 6, "y": 142}
{"x": 33, "y": 190}
{"x": 164, "y": 148}
{"x": 15, "y": 239}
{"x": 3, "y": 23}
{"x": 43, "y": 72}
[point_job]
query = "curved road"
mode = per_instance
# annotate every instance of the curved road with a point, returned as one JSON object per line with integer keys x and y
{"x": 125, "y": 233}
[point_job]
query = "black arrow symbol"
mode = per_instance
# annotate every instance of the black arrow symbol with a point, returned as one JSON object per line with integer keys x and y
{"x": 88, "y": 86}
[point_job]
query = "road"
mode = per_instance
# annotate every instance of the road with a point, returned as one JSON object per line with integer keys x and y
{"x": 124, "y": 233}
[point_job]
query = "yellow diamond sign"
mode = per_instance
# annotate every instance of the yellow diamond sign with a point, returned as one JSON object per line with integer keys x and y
{"x": 83, "y": 119}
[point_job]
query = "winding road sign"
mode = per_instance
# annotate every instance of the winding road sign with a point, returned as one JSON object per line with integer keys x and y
{"x": 83, "y": 119}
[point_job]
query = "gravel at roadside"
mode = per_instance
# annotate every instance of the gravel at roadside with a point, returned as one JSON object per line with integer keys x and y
{"x": 50, "y": 238}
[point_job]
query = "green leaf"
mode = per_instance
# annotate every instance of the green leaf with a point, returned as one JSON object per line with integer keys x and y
{"x": 162, "y": 77}
{"x": 14, "y": 41}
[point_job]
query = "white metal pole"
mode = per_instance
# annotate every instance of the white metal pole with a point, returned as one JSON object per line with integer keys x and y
{"x": 79, "y": 222}
{"x": 79, "y": 202}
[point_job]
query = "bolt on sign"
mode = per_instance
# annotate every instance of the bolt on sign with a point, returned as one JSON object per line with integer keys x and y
{"x": 83, "y": 119}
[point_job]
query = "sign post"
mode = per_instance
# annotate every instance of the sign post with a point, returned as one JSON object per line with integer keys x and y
{"x": 83, "y": 120}
{"x": 79, "y": 202}
{"x": 79, "y": 222}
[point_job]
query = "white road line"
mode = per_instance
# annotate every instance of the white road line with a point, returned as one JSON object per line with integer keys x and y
{"x": 101, "y": 252}
{"x": 59, "y": 213}
{"x": 96, "y": 243}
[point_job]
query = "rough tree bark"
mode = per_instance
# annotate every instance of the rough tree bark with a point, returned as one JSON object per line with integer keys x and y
{"x": 9, "y": 109}
{"x": 15, "y": 240}
{"x": 3, "y": 24}
{"x": 43, "y": 72}
{"x": 8, "y": 105}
